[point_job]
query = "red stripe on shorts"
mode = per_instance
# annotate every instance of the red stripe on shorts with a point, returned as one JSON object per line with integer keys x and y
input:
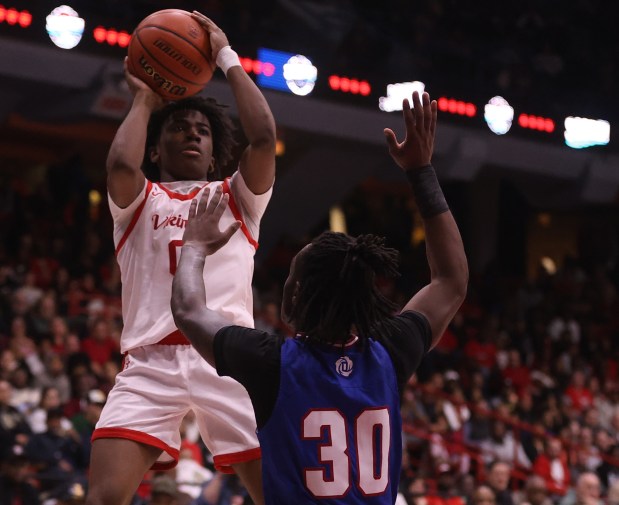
{"x": 224, "y": 462}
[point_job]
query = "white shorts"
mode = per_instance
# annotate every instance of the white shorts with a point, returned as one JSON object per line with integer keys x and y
{"x": 158, "y": 385}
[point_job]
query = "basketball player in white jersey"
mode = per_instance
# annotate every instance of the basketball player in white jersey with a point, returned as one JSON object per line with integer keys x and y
{"x": 178, "y": 146}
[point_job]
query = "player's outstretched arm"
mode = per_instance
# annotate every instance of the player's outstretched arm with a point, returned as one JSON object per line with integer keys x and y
{"x": 202, "y": 238}
{"x": 438, "y": 301}
{"x": 125, "y": 179}
{"x": 257, "y": 163}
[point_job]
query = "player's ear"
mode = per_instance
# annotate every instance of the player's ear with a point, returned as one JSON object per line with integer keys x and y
{"x": 154, "y": 155}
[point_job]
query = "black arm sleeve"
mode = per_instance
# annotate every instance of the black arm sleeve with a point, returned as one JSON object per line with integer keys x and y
{"x": 407, "y": 343}
{"x": 253, "y": 358}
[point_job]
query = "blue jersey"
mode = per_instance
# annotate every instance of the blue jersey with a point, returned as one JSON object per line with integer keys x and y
{"x": 334, "y": 436}
{"x": 328, "y": 418}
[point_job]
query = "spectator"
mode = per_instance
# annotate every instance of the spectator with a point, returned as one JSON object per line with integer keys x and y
{"x": 99, "y": 346}
{"x": 37, "y": 419}
{"x": 483, "y": 495}
{"x": 588, "y": 491}
{"x": 190, "y": 474}
{"x": 222, "y": 489}
{"x": 608, "y": 471}
{"x": 14, "y": 428}
{"x": 84, "y": 422}
{"x": 72, "y": 492}
{"x": 613, "y": 494}
{"x": 502, "y": 445}
{"x": 164, "y": 491}
{"x": 55, "y": 452}
{"x": 515, "y": 373}
{"x": 499, "y": 475}
{"x": 26, "y": 396}
{"x": 447, "y": 492}
{"x": 51, "y": 374}
{"x": 15, "y": 488}
{"x": 577, "y": 394}
{"x": 535, "y": 492}
{"x": 552, "y": 466}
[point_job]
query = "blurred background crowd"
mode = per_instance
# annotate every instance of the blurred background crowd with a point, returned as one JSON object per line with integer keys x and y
{"x": 524, "y": 383}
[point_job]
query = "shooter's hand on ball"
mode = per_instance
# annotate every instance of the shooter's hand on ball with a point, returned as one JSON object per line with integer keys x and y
{"x": 416, "y": 149}
{"x": 217, "y": 36}
{"x": 137, "y": 85}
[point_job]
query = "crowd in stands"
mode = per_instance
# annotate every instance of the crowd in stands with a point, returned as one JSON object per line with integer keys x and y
{"x": 519, "y": 402}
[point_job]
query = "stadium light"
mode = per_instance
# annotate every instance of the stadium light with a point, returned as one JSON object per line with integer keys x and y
{"x": 581, "y": 132}
{"x": 293, "y": 73}
{"x": 538, "y": 123}
{"x": 498, "y": 115}
{"x": 12, "y": 16}
{"x": 64, "y": 27}
{"x": 456, "y": 107}
{"x": 111, "y": 36}
{"x": 348, "y": 85}
{"x": 397, "y": 92}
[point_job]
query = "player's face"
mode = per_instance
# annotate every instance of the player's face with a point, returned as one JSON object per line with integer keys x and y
{"x": 291, "y": 286}
{"x": 185, "y": 147}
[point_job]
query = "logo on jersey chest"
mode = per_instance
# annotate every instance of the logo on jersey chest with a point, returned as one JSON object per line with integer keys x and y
{"x": 175, "y": 221}
{"x": 343, "y": 366}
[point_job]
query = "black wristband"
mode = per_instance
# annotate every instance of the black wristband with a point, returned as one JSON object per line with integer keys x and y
{"x": 427, "y": 191}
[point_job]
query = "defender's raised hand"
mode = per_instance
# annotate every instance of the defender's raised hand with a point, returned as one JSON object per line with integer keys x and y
{"x": 202, "y": 230}
{"x": 416, "y": 149}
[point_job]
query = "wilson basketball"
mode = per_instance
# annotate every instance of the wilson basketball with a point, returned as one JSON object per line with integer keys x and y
{"x": 171, "y": 52}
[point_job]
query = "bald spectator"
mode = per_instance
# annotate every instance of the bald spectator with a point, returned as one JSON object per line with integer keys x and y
{"x": 588, "y": 491}
{"x": 483, "y": 495}
{"x": 499, "y": 474}
{"x": 535, "y": 492}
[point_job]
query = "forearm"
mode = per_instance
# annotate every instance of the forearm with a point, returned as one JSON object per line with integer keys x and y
{"x": 191, "y": 316}
{"x": 444, "y": 247}
{"x": 127, "y": 149}
{"x": 188, "y": 291}
{"x": 445, "y": 251}
{"x": 254, "y": 112}
{"x": 440, "y": 299}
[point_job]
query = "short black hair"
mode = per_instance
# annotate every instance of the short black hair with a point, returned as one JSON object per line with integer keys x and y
{"x": 337, "y": 287}
{"x": 222, "y": 130}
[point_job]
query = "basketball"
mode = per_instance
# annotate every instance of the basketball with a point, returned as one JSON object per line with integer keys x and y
{"x": 171, "y": 52}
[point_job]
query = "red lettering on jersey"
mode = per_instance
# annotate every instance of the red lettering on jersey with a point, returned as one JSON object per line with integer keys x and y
{"x": 176, "y": 221}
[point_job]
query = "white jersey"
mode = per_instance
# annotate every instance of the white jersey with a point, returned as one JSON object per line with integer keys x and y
{"x": 148, "y": 238}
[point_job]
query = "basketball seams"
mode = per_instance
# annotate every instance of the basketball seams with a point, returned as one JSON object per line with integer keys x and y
{"x": 168, "y": 50}
{"x": 164, "y": 29}
{"x": 163, "y": 66}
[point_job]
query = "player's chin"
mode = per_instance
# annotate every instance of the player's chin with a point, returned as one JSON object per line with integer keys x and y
{"x": 191, "y": 171}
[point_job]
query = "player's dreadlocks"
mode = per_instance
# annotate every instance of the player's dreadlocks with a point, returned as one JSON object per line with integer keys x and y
{"x": 221, "y": 128}
{"x": 338, "y": 289}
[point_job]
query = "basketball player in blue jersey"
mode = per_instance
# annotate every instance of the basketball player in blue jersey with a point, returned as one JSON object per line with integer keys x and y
{"x": 327, "y": 402}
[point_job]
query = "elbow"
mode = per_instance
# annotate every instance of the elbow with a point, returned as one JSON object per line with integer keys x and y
{"x": 265, "y": 137}
{"x": 461, "y": 285}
